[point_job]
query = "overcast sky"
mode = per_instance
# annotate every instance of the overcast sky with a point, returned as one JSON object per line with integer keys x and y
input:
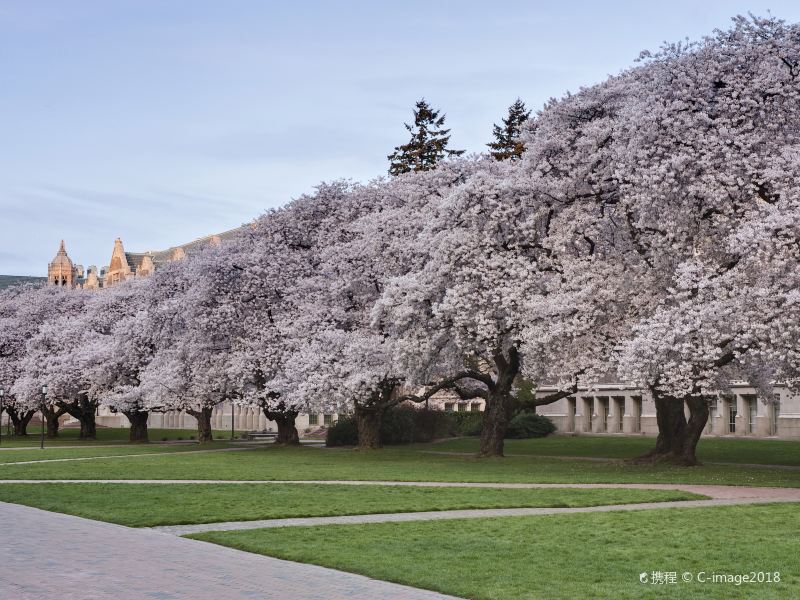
{"x": 159, "y": 122}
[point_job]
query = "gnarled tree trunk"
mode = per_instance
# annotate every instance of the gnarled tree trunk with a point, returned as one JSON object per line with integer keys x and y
{"x": 285, "y": 419}
{"x": 138, "y": 419}
{"x": 368, "y": 423}
{"x": 203, "y": 417}
{"x": 671, "y": 422}
{"x": 20, "y": 420}
{"x": 677, "y": 439}
{"x": 499, "y": 404}
{"x": 84, "y": 410}
{"x": 88, "y": 426}
{"x": 51, "y": 415}
{"x": 698, "y": 417}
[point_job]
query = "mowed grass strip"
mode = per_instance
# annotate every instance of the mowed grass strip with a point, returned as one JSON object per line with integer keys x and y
{"x": 729, "y": 450}
{"x": 7, "y": 457}
{"x": 146, "y": 505}
{"x": 105, "y": 435}
{"x": 395, "y": 464}
{"x": 598, "y": 556}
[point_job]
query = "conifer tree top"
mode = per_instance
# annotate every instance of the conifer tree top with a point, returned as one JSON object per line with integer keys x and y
{"x": 507, "y": 143}
{"x": 428, "y": 144}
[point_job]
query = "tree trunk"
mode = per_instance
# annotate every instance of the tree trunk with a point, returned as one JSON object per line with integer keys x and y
{"x": 52, "y": 415}
{"x": 52, "y": 427}
{"x": 671, "y": 422}
{"x": 368, "y": 422}
{"x": 499, "y": 404}
{"x": 138, "y": 431}
{"x": 287, "y": 432}
{"x": 698, "y": 417}
{"x": 20, "y": 420}
{"x": 88, "y": 426}
{"x": 84, "y": 410}
{"x": 203, "y": 417}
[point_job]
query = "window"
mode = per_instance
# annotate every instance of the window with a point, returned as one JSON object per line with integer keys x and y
{"x": 462, "y": 406}
{"x": 732, "y": 416}
{"x": 604, "y": 408}
{"x": 327, "y": 420}
{"x": 475, "y": 407}
{"x": 619, "y": 407}
{"x": 448, "y": 406}
{"x": 313, "y": 419}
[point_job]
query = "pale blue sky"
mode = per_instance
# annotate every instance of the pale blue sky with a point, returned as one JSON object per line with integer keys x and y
{"x": 162, "y": 121}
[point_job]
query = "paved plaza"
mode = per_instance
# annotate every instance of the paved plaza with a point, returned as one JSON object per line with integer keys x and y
{"x": 50, "y": 556}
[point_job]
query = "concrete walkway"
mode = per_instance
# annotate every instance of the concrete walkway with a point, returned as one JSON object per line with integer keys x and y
{"x": 50, "y": 556}
{"x": 617, "y": 461}
{"x": 450, "y": 514}
{"x": 717, "y": 492}
{"x": 719, "y": 495}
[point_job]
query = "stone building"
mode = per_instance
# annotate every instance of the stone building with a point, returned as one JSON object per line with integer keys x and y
{"x": 122, "y": 265}
{"x": 621, "y": 409}
{"x": 62, "y": 272}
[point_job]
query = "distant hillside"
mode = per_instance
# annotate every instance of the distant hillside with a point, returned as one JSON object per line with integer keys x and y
{"x": 9, "y": 280}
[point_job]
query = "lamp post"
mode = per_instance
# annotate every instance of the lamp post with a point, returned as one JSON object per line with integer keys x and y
{"x": 232, "y": 421}
{"x": 44, "y": 397}
{"x": 2, "y": 393}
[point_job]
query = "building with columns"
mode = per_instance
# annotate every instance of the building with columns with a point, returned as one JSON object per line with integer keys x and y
{"x": 621, "y": 409}
{"x": 243, "y": 418}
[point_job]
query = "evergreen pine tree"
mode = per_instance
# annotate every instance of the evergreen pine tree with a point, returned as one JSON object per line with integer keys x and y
{"x": 507, "y": 144}
{"x": 428, "y": 143}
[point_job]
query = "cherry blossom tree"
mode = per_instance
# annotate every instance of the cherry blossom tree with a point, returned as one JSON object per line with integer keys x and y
{"x": 671, "y": 156}
{"x": 42, "y": 322}
{"x": 14, "y": 330}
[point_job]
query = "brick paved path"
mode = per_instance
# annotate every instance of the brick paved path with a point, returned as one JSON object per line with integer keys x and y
{"x": 50, "y": 556}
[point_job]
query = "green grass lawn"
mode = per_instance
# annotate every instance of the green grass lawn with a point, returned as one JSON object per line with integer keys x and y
{"x": 397, "y": 464}
{"x": 50, "y": 453}
{"x": 68, "y": 436}
{"x": 598, "y": 556}
{"x": 148, "y": 505}
{"x": 732, "y": 450}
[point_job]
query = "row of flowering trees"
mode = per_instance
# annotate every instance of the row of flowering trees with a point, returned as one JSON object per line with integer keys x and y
{"x": 651, "y": 230}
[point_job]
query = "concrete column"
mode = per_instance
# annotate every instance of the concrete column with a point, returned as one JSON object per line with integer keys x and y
{"x": 629, "y": 415}
{"x": 252, "y": 418}
{"x": 597, "y": 415}
{"x": 262, "y": 420}
{"x": 763, "y": 424}
{"x": 773, "y": 412}
{"x": 569, "y": 420}
{"x": 721, "y": 418}
{"x": 616, "y": 410}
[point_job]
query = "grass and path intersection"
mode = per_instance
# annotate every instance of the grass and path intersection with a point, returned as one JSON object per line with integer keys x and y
{"x": 560, "y": 517}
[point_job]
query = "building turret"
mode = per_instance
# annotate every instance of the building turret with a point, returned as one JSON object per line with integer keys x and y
{"x": 61, "y": 271}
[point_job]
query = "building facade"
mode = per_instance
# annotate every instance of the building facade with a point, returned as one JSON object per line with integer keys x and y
{"x": 123, "y": 265}
{"x": 620, "y": 409}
